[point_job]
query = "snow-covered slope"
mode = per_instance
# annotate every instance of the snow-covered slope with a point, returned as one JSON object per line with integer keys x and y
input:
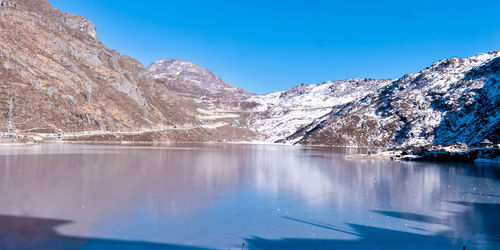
{"x": 279, "y": 115}
{"x": 454, "y": 100}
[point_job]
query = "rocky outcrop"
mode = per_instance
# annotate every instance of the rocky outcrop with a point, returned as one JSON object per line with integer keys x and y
{"x": 39, "y": 6}
{"x": 80, "y": 23}
{"x": 187, "y": 78}
{"x": 479, "y": 155}
{"x": 6, "y": 3}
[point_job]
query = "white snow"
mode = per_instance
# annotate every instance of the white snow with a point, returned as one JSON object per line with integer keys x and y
{"x": 280, "y": 114}
{"x": 410, "y": 111}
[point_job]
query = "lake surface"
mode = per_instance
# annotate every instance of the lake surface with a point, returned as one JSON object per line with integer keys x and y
{"x": 240, "y": 196}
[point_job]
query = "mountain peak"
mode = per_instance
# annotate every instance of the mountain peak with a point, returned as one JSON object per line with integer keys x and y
{"x": 177, "y": 67}
{"x": 195, "y": 80}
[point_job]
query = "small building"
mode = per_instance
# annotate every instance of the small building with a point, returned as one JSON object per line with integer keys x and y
{"x": 37, "y": 139}
{"x": 486, "y": 143}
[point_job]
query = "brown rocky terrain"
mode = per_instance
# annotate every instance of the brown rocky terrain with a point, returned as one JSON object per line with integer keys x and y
{"x": 60, "y": 77}
{"x": 56, "y": 76}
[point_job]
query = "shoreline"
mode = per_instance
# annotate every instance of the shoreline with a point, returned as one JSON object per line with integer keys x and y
{"x": 487, "y": 155}
{"x": 450, "y": 155}
{"x": 384, "y": 155}
{"x": 17, "y": 144}
{"x": 152, "y": 143}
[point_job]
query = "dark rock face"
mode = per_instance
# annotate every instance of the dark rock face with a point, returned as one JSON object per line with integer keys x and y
{"x": 5, "y": 3}
{"x": 481, "y": 154}
{"x": 473, "y": 119}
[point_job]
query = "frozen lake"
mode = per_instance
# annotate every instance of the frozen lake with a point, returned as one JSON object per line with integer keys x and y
{"x": 240, "y": 196}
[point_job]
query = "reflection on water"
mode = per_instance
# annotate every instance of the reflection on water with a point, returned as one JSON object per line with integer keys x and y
{"x": 227, "y": 195}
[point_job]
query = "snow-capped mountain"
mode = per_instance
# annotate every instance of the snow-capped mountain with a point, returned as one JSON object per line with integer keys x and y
{"x": 454, "y": 100}
{"x": 187, "y": 78}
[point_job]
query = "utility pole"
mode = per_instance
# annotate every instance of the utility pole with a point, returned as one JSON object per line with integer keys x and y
{"x": 9, "y": 115}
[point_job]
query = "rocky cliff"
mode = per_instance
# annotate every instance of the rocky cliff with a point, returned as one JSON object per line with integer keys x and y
{"x": 56, "y": 75}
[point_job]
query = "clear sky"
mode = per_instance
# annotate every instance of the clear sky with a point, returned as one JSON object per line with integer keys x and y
{"x": 266, "y": 45}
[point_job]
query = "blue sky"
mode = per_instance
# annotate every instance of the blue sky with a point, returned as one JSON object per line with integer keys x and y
{"x": 266, "y": 45}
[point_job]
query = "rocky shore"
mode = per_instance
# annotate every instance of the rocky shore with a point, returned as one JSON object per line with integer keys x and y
{"x": 432, "y": 153}
{"x": 15, "y": 141}
{"x": 488, "y": 155}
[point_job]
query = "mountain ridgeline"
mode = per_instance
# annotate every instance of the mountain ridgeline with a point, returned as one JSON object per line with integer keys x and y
{"x": 57, "y": 77}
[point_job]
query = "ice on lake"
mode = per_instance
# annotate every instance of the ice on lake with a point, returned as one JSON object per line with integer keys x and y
{"x": 240, "y": 196}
